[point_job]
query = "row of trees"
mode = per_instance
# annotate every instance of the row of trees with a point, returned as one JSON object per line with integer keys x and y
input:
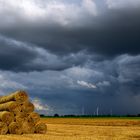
{"x": 57, "y": 115}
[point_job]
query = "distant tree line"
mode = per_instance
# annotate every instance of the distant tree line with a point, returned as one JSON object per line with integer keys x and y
{"x": 88, "y": 116}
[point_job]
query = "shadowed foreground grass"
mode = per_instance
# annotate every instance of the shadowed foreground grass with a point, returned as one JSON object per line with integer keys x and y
{"x": 85, "y": 129}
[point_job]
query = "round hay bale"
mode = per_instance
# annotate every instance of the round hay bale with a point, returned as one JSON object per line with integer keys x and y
{"x": 28, "y": 128}
{"x": 11, "y": 106}
{"x": 33, "y": 117}
{"x": 15, "y": 128}
{"x": 19, "y": 96}
{"x": 21, "y": 117}
{"x": 41, "y": 128}
{"x": 27, "y": 107}
{"x": 3, "y": 128}
{"x": 6, "y": 117}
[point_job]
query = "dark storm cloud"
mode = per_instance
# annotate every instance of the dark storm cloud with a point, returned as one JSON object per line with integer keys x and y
{"x": 110, "y": 31}
{"x": 107, "y": 32}
{"x": 116, "y": 86}
{"x": 71, "y": 55}
{"x": 13, "y": 54}
{"x": 20, "y": 56}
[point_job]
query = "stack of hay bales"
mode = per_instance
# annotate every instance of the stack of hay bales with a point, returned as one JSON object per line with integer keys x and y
{"x": 17, "y": 115}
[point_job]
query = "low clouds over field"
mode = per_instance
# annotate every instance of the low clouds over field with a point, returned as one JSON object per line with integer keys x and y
{"x": 72, "y": 54}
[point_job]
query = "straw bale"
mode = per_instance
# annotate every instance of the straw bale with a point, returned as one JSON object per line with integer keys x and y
{"x": 6, "y": 117}
{"x": 28, "y": 128}
{"x": 3, "y": 128}
{"x": 41, "y": 128}
{"x": 27, "y": 107}
{"x": 21, "y": 117}
{"x": 19, "y": 96}
{"x": 33, "y": 117}
{"x": 11, "y": 106}
{"x": 17, "y": 116}
{"x": 15, "y": 128}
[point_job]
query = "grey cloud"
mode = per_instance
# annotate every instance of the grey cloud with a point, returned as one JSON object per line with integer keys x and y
{"x": 59, "y": 89}
{"x": 86, "y": 84}
{"x": 118, "y": 93}
{"x": 109, "y": 33}
{"x": 122, "y": 3}
{"x": 20, "y": 56}
{"x": 46, "y": 52}
{"x": 128, "y": 67}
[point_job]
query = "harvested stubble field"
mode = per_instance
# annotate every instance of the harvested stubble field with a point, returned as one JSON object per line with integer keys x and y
{"x": 85, "y": 129}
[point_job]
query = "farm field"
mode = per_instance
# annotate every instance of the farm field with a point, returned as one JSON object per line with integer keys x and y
{"x": 85, "y": 129}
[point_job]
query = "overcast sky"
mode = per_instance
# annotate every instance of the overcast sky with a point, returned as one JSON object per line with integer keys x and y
{"x": 72, "y": 55}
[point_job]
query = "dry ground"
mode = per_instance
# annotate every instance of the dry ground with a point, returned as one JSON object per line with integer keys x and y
{"x": 85, "y": 129}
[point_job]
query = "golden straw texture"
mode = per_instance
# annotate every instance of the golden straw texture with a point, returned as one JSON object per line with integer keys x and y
{"x": 19, "y": 96}
{"x": 21, "y": 117}
{"x": 28, "y": 128}
{"x": 11, "y": 106}
{"x": 15, "y": 128}
{"x": 27, "y": 107}
{"x": 33, "y": 117}
{"x": 3, "y": 128}
{"x": 41, "y": 128}
{"x": 17, "y": 116}
{"x": 6, "y": 117}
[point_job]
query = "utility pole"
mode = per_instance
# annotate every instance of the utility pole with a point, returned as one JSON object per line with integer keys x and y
{"x": 97, "y": 111}
{"x": 111, "y": 112}
{"x": 83, "y": 111}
